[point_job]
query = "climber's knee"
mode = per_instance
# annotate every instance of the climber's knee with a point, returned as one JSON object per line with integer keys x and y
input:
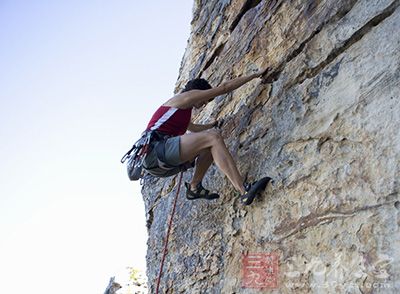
{"x": 214, "y": 137}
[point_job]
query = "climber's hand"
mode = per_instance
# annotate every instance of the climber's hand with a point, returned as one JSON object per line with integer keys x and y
{"x": 218, "y": 123}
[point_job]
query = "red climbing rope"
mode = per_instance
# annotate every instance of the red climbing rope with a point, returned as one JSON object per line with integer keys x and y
{"x": 167, "y": 237}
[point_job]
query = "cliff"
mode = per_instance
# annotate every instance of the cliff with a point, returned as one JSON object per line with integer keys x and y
{"x": 324, "y": 123}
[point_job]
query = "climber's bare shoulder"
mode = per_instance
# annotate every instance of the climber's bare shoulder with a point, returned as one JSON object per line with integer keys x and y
{"x": 178, "y": 101}
{"x": 195, "y": 97}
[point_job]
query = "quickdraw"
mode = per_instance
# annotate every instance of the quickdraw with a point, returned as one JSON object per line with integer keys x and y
{"x": 136, "y": 156}
{"x": 138, "y": 152}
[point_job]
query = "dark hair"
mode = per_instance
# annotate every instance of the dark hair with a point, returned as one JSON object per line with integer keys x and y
{"x": 198, "y": 84}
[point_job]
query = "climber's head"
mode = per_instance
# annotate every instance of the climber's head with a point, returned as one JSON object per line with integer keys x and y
{"x": 197, "y": 84}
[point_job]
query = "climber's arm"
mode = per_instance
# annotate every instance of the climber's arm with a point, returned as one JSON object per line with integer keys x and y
{"x": 193, "y": 97}
{"x": 237, "y": 82}
{"x": 198, "y": 128}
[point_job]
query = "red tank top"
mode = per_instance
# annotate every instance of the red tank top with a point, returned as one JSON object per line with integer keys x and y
{"x": 170, "y": 120}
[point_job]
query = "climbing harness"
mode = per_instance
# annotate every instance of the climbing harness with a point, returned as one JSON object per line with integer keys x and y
{"x": 163, "y": 168}
{"x": 168, "y": 232}
{"x": 136, "y": 155}
{"x": 139, "y": 150}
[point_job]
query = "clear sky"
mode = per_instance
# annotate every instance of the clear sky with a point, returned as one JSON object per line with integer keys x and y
{"x": 79, "y": 81}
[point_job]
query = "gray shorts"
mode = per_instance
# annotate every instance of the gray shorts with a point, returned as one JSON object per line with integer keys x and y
{"x": 172, "y": 156}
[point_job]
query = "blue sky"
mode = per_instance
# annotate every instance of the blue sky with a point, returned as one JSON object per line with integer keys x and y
{"x": 79, "y": 81}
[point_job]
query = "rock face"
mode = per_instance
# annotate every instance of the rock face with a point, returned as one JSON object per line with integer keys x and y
{"x": 130, "y": 281}
{"x": 324, "y": 123}
{"x": 112, "y": 287}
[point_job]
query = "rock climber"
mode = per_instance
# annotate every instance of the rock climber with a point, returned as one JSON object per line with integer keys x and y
{"x": 173, "y": 147}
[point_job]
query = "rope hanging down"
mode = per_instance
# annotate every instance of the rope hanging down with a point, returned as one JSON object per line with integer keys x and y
{"x": 168, "y": 232}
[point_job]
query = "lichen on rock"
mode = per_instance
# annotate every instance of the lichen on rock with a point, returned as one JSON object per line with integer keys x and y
{"x": 324, "y": 123}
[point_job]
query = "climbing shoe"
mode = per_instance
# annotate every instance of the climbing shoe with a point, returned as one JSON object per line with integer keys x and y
{"x": 199, "y": 192}
{"x": 252, "y": 190}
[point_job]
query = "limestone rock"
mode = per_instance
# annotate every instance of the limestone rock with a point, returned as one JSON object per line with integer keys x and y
{"x": 129, "y": 281}
{"x": 112, "y": 287}
{"x": 324, "y": 123}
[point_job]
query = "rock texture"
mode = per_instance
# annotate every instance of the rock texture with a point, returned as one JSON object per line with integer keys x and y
{"x": 324, "y": 123}
{"x": 112, "y": 287}
{"x": 129, "y": 281}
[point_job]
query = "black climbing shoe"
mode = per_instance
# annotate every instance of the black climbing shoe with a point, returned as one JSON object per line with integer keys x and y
{"x": 252, "y": 190}
{"x": 199, "y": 192}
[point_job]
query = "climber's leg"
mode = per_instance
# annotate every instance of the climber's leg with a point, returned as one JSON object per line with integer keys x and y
{"x": 191, "y": 145}
{"x": 203, "y": 162}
